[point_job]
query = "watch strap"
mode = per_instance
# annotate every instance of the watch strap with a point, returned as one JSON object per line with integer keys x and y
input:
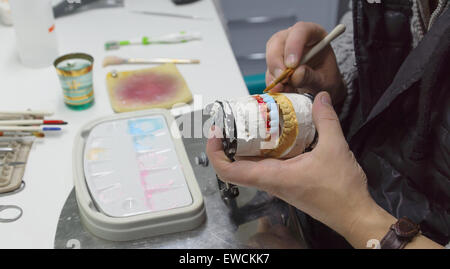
{"x": 400, "y": 234}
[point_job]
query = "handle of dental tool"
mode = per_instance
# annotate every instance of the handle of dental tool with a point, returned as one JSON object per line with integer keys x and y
{"x": 177, "y": 37}
{"x": 170, "y": 38}
{"x": 28, "y": 128}
{"x": 30, "y": 122}
{"x": 27, "y": 113}
{"x": 163, "y": 60}
{"x": 21, "y": 139}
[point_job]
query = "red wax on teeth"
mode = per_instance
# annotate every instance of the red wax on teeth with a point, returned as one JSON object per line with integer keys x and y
{"x": 259, "y": 99}
{"x": 263, "y": 109}
{"x": 147, "y": 88}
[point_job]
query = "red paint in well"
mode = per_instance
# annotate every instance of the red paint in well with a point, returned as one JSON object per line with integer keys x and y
{"x": 147, "y": 89}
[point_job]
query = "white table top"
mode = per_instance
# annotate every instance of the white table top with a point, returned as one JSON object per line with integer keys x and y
{"x": 49, "y": 171}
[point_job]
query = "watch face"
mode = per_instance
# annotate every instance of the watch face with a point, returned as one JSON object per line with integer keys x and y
{"x": 406, "y": 228}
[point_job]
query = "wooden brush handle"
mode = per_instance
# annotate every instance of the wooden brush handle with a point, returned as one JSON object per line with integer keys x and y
{"x": 163, "y": 61}
{"x": 337, "y": 31}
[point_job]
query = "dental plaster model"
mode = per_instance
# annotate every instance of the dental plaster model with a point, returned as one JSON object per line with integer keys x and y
{"x": 273, "y": 125}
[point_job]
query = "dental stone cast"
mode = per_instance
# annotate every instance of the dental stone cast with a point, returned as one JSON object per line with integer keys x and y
{"x": 275, "y": 125}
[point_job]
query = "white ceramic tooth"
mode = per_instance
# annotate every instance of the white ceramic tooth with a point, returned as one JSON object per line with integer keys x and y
{"x": 274, "y": 123}
{"x": 274, "y": 106}
{"x": 274, "y": 130}
{"x": 274, "y": 114}
{"x": 267, "y": 98}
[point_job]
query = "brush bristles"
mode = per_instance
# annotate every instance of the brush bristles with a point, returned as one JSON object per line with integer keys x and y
{"x": 113, "y": 60}
{"x": 39, "y": 134}
{"x": 35, "y": 134}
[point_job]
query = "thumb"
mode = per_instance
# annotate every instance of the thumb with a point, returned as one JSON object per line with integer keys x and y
{"x": 306, "y": 77}
{"x": 327, "y": 123}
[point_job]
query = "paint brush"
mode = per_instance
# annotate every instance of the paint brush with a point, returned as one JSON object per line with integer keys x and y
{"x": 164, "y": 14}
{"x": 28, "y": 129}
{"x": 18, "y": 139}
{"x": 22, "y": 134}
{"x": 12, "y": 164}
{"x": 337, "y": 31}
{"x": 27, "y": 113}
{"x": 174, "y": 38}
{"x": 114, "y": 60}
{"x": 31, "y": 122}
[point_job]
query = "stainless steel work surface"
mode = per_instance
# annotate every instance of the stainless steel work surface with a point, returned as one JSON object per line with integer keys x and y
{"x": 254, "y": 219}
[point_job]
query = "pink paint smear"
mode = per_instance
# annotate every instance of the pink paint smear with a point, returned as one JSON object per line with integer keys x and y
{"x": 149, "y": 191}
{"x": 147, "y": 88}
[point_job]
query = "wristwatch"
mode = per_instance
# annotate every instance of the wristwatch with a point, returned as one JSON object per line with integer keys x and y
{"x": 400, "y": 234}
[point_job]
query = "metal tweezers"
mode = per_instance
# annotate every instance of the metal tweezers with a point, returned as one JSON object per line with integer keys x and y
{"x": 14, "y": 207}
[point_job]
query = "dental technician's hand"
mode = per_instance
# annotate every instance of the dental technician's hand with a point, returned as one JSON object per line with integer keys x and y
{"x": 286, "y": 49}
{"x": 326, "y": 183}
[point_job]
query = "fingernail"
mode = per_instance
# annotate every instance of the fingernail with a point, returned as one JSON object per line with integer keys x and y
{"x": 278, "y": 72}
{"x": 325, "y": 99}
{"x": 291, "y": 60}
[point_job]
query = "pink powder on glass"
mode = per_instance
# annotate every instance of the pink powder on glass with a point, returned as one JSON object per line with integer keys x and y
{"x": 147, "y": 88}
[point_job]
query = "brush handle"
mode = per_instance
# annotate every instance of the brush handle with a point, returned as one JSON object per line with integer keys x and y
{"x": 164, "y": 14}
{"x": 21, "y": 138}
{"x": 15, "y": 133}
{"x": 13, "y": 164}
{"x": 162, "y": 61}
{"x": 337, "y": 31}
{"x": 27, "y": 113}
{"x": 28, "y": 128}
{"x": 30, "y": 122}
{"x": 20, "y": 122}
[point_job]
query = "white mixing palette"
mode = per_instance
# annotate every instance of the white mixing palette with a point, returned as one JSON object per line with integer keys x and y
{"x": 131, "y": 167}
{"x": 133, "y": 178}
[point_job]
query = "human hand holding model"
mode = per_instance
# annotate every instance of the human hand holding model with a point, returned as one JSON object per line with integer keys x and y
{"x": 286, "y": 49}
{"x": 326, "y": 183}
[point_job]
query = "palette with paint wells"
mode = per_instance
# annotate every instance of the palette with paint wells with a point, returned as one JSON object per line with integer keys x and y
{"x": 133, "y": 178}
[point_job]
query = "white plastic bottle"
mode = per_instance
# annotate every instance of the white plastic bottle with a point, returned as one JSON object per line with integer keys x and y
{"x": 34, "y": 24}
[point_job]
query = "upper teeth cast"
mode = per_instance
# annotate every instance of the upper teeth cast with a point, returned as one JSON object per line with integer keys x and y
{"x": 274, "y": 117}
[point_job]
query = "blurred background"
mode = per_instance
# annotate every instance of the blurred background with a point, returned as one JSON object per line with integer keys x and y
{"x": 250, "y": 23}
